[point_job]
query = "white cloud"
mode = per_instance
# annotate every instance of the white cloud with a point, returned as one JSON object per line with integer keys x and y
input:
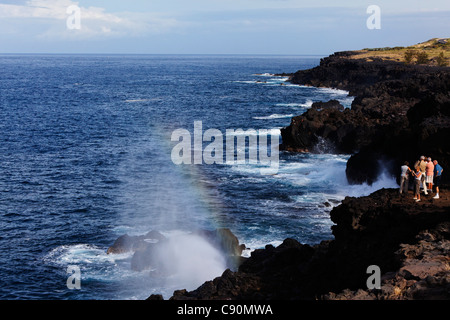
{"x": 48, "y": 9}
{"x": 95, "y": 21}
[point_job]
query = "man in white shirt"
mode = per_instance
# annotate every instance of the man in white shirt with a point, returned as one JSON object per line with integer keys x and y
{"x": 404, "y": 178}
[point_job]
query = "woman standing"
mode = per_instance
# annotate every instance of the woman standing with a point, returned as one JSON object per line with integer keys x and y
{"x": 429, "y": 172}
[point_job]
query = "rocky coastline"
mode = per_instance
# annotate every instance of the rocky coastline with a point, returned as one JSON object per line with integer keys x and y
{"x": 409, "y": 242}
{"x": 399, "y": 112}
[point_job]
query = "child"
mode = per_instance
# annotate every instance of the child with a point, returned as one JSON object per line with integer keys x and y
{"x": 418, "y": 181}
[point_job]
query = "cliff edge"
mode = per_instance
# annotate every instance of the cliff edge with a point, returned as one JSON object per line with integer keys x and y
{"x": 400, "y": 112}
{"x": 408, "y": 241}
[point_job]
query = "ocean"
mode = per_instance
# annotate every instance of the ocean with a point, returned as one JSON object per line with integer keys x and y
{"x": 85, "y": 157}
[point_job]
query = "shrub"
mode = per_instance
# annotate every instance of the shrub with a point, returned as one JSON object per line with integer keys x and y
{"x": 409, "y": 55}
{"x": 422, "y": 58}
{"x": 441, "y": 61}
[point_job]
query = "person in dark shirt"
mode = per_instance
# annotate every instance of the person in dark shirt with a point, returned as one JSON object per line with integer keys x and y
{"x": 437, "y": 177}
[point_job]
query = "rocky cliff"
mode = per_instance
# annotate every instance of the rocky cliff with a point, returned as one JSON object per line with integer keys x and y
{"x": 399, "y": 113}
{"x": 408, "y": 241}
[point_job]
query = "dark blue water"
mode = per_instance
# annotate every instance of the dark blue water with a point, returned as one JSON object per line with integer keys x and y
{"x": 85, "y": 156}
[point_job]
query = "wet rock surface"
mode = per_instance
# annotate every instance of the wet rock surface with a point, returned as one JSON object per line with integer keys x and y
{"x": 399, "y": 113}
{"x": 408, "y": 241}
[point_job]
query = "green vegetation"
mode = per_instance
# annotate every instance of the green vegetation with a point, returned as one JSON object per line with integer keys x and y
{"x": 441, "y": 61}
{"x": 409, "y": 56}
{"x": 384, "y": 49}
{"x": 435, "y": 51}
{"x": 422, "y": 57}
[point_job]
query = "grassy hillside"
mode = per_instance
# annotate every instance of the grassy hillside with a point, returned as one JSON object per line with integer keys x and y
{"x": 435, "y": 51}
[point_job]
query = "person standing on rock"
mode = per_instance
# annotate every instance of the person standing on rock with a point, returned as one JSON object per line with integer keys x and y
{"x": 423, "y": 167}
{"x": 437, "y": 177}
{"x": 418, "y": 181}
{"x": 429, "y": 174}
{"x": 404, "y": 177}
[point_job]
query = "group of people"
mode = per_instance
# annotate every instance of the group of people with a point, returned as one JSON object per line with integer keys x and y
{"x": 427, "y": 173}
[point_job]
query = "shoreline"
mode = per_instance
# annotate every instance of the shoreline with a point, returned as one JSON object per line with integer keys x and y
{"x": 409, "y": 241}
{"x": 413, "y": 260}
{"x": 399, "y": 113}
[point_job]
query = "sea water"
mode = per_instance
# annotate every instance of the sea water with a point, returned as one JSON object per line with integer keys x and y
{"x": 85, "y": 156}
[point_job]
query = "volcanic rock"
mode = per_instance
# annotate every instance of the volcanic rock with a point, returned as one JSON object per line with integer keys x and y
{"x": 399, "y": 113}
{"x": 126, "y": 243}
{"x": 408, "y": 241}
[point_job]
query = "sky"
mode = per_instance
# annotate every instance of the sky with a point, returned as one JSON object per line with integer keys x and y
{"x": 287, "y": 27}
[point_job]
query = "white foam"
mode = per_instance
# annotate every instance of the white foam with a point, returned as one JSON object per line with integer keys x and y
{"x": 192, "y": 260}
{"x": 253, "y": 244}
{"x": 250, "y": 132}
{"x": 264, "y": 74}
{"x": 93, "y": 262}
{"x": 82, "y": 254}
{"x": 246, "y": 81}
{"x": 143, "y": 100}
{"x": 383, "y": 181}
{"x": 274, "y": 80}
{"x": 292, "y": 167}
{"x": 274, "y": 116}
{"x": 328, "y": 171}
{"x": 244, "y": 167}
{"x": 137, "y": 100}
{"x": 297, "y": 85}
{"x": 306, "y": 104}
{"x": 334, "y": 91}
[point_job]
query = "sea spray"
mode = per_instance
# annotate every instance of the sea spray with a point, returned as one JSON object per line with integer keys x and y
{"x": 188, "y": 260}
{"x": 106, "y": 171}
{"x": 155, "y": 194}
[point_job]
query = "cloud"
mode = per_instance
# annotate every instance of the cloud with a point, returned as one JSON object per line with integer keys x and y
{"x": 51, "y": 16}
{"x": 47, "y": 9}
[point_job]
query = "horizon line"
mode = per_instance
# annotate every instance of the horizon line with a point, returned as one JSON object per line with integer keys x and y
{"x": 173, "y": 54}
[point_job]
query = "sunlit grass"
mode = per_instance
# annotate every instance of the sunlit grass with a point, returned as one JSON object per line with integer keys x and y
{"x": 433, "y": 48}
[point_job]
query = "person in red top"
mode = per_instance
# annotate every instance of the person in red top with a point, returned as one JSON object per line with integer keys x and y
{"x": 429, "y": 174}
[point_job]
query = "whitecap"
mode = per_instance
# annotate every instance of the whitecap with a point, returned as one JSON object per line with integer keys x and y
{"x": 306, "y": 104}
{"x": 136, "y": 100}
{"x": 246, "y": 81}
{"x": 264, "y": 74}
{"x": 334, "y": 91}
{"x": 82, "y": 254}
{"x": 252, "y": 132}
{"x": 274, "y": 116}
{"x": 257, "y": 243}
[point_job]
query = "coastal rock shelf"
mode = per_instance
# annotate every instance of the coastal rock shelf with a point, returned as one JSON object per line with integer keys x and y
{"x": 408, "y": 241}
